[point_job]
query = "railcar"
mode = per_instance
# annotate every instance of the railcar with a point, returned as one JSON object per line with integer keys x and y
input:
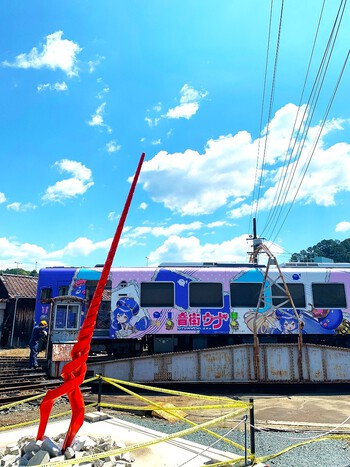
{"x": 177, "y": 307}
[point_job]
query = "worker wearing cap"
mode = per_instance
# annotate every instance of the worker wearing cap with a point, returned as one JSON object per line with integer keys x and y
{"x": 39, "y": 332}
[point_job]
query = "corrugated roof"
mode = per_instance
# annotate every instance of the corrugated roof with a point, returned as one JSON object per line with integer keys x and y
{"x": 19, "y": 286}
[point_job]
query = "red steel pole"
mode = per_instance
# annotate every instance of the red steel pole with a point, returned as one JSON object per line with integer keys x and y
{"x": 73, "y": 372}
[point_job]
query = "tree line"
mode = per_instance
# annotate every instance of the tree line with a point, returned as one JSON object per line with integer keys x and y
{"x": 338, "y": 251}
{"x": 19, "y": 271}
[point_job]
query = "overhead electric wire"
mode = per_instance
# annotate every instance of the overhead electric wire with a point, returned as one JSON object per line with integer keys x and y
{"x": 281, "y": 180}
{"x": 311, "y": 105}
{"x": 270, "y": 107}
{"x": 261, "y": 112}
{"x": 309, "y": 111}
{"x": 316, "y": 141}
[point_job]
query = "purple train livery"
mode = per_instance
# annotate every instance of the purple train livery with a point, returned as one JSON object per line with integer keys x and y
{"x": 175, "y": 307}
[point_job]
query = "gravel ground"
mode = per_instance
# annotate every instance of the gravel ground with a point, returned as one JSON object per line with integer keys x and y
{"x": 326, "y": 453}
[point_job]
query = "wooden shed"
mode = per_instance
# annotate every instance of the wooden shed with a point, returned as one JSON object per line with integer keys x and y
{"x": 17, "y": 304}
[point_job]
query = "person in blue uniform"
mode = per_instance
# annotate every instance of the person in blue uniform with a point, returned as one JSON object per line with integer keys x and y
{"x": 39, "y": 333}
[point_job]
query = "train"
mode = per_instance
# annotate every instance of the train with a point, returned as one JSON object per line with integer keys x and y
{"x": 177, "y": 307}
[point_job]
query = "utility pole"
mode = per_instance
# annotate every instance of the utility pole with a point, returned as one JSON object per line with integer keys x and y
{"x": 257, "y": 242}
{"x": 17, "y": 263}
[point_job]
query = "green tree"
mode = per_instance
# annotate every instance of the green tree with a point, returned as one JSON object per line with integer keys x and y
{"x": 336, "y": 250}
{"x": 19, "y": 271}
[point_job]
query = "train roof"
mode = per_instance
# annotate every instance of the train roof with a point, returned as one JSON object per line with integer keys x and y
{"x": 315, "y": 265}
{"x": 211, "y": 265}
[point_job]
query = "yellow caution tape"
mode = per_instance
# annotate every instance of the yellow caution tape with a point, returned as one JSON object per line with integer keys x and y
{"x": 242, "y": 408}
{"x": 135, "y": 447}
{"x": 30, "y": 422}
{"x": 168, "y": 391}
{"x": 170, "y": 409}
{"x": 39, "y": 396}
{"x": 22, "y": 401}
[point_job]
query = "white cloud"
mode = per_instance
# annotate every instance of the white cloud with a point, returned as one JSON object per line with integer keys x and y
{"x": 56, "y": 53}
{"x": 223, "y": 175}
{"x": 20, "y": 207}
{"x": 97, "y": 118}
{"x": 2, "y": 198}
{"x": 190, "y": 183}
{"x": 82, "y": 246}
{"x": 12, "y": 251}
{"x": 212, "y": 225}
{"x": 190, "y": 249}
{"x": 112, "y": 146}
{"x": 342, "y": 226}
{"x": 189, "y": 103}
{"x": 152, "y": 121}
{"x": 78, "y": 184}
{"x": 102, "y": 93}
{"x": 143, "y": 206}
{"x": 94, "y": 63}
{"x": 112, "y": 216}
{"x": 59, "y": 87}
{"x": 156, "y": 142}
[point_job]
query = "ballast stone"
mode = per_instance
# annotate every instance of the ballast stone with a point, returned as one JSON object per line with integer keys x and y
{"x": 8, "y": 460}
{"x": 13, "y": 449}
{"x": 92, "y": 417}
{"x": 51, "y": 447}
{"x": 36, "y": 453}
{"x": 41, "y": 457}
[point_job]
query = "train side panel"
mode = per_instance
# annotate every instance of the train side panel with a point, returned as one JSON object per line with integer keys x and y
{"x": 196, "y": 306}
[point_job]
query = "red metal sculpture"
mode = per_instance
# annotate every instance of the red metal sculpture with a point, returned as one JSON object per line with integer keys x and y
{"x": 73, "y": 373}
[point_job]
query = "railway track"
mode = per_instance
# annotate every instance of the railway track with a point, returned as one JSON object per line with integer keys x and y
{"x": 18, "y": 382}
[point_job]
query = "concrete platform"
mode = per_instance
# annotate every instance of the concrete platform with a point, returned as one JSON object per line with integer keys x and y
{"x": 174, "y": 453}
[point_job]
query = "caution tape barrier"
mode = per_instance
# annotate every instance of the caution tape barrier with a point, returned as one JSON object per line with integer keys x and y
{"x": 136, "y": 446}
{"x": 39, "y": 396}
{"x": 227, "y": 403}
{"x": 170, "y": 409}
{"x": 170, "y": 391}
{"x": 30, "y": 422}
{"x": 240, "y": 406}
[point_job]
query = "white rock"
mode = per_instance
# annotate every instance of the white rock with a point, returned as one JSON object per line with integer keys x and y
{"x": 41, "y": 457}
{"x": 8, "y": 460}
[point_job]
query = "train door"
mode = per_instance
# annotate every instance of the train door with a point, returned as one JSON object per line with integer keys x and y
{"x": 66, "y": 319}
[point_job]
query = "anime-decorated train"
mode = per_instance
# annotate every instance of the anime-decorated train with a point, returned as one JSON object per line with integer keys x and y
{"x": 176, "y": 307}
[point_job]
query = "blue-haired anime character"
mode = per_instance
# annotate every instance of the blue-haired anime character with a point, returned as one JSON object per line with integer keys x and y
{"x": 128, "y": 318}
{"x": 289, "y": 323}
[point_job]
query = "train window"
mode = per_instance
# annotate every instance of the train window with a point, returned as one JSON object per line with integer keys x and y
{"x": 245, "y": 294}
{"x": 329, "y": 295}
{"x": 62, "y": 290}
{"x": 156, "y": 294}
{"x": 103, "y": 320}
{"x": 206, "y": 294}
{"x": 279, "y": 296}
{"x": 46, "y": 293}
{"x": 66, "y": 316}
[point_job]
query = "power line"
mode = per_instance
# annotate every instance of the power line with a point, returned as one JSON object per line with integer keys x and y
{"x": 284, "y": 170}
{"x": 270, "y": 108}
{"x": 316, "y": 141}
{"x": 261, "y": 112}
{"x": 308, "y": 115}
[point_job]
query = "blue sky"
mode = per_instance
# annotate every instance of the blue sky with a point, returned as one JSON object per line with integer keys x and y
{"x": 88, "y": 86}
